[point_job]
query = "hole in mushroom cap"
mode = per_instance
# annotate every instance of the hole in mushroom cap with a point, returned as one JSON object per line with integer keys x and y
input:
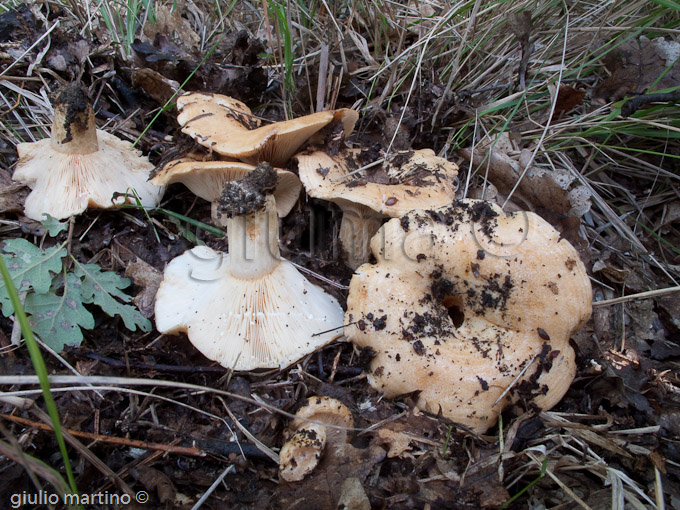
{"x": 454, "y": 307}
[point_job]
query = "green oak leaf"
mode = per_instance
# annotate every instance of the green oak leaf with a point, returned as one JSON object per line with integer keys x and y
{"x": 57, "y": 319}
{"x": 29, "y": 267}
{"x": 53, "y": 225}
{"x": 101, "y": 288}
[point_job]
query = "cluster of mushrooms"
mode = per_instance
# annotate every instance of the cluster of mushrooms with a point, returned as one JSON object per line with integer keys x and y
{"x": 468, "y": 306}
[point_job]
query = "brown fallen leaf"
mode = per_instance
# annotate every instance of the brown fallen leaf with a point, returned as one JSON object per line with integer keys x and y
{"x": 149, "y": 278}
{"x": 157, "y": 86}
{"x": 567, "y": 99}
{"x": 397, "y": 443}
{"x": 155, "y": 481}
{"x": 636, "y": 65}
{"x": 323, "y": 488}
{"x": 12, "y": 195}
{"x": 553, "y": 190}
{"x": 170, "y": 22}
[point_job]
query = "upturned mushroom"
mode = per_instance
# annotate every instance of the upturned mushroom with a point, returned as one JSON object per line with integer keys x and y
{"x": 80, "y": 166}
{"x": 206, "y": 179}
{"x": 250, "y": 308}
{"x": 409, "y": 180}
{"x": 228, "y": 127}
{"x": 319, "y": 421}
{"x": 472, "y": 308}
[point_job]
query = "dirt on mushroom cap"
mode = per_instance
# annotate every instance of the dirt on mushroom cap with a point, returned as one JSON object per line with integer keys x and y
{"x": 460, "y": 303}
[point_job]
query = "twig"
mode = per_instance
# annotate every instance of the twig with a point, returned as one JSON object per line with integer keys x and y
{"x": 323, "y": 75}
{"x": 640, "y": 295}
{"x": 134, "y": 443}
{"x": 212, "y": 488}
{"x": 15, "y": 337}
{"x": 631, "y": 106}
{"x": 505, "y": 392}
{"x": 374, "y": 163}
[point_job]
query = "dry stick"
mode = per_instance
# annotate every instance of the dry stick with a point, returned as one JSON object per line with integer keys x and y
{"x": 374, "y": 163}
{"x": 633, "y": 297}
{"x": 456, "y": 62}
{"x": 323, "y": 75}
{"x": 559, "y": 482}
{"x": 85, "y": 452}
{"x": 106, "y": 381}
{"x": 212, "y": 488}
{"x": 550, "y": 116}
{"x": 500, "y": 397}
{"x": 30, "y": 48}
{"x": 133, "y": 443}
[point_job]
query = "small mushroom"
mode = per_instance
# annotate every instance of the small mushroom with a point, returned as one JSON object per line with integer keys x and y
{"x": 410, "y": 180}
{"x": 250, "y": 308}
{"x": 471, "y": 308}
{"x": 206, "y": 179}
{"x": 227, "y": 126}
{"x": 80, "y": 166}
{"x": 319, "y": 422}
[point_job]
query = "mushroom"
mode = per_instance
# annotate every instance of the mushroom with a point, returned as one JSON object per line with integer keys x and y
{"x": 251, "y": 308}
{"x": 410, "y": 180}
{"x": 471, "y": 308}
{"x": 227, "y": 126}
{"x": 80, "y": 166}
{"x": 320, "y": 421}
{"x": 206, "y": 179}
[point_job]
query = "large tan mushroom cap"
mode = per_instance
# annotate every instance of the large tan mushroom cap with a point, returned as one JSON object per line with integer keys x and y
{"x": 206, "y": 179}
{"x": 227, "y": 126}
{"x": 410, "y": 180}
{"x": 463, "y": 301}
{"x": 81, "y": 166}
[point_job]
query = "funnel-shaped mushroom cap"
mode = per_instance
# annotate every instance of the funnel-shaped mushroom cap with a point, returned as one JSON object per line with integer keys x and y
{"x": 244, "y": 323}
{"x": 206, "y": 179}
{"x": 410, "y": 180}
{"x": 464, "y": 303}
{"x": 81, "y": 166}
{"x": 227, "y": 126}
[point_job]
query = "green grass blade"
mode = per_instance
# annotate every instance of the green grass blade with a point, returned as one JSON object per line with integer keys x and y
{"x": 40, "y": 370}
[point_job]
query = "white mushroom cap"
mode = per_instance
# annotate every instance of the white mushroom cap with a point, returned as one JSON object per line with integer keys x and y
{"x": 243, "y": 324}
{"x": 227, "y": 126}
{"x": 320, "y": 421}
{"x": 81, "y": 166}
{"x": 248, "y": 309}
{"x": 464, "y": 303}
{"x": 206, "y": 179}
{"x": 416, "y": 180}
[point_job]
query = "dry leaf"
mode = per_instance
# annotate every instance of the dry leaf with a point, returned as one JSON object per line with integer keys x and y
{"x": 149, "y": 278}
{"x": 157, "y": 86}
{"x": 568, "y": 98}
{"x": 12, "y": 195}
{"x": 636, "y": 65}
{"x": 553, "y": 190}
{"x": 324, "y": 487}
{"x": 397, "y": 442}
{"x": 155, "y": 481}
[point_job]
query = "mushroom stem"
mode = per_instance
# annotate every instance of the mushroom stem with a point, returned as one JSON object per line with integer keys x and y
{"x": 74, "y": 130}
{"x": 358, "y": 225}
{"x": 254, "y": 242}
